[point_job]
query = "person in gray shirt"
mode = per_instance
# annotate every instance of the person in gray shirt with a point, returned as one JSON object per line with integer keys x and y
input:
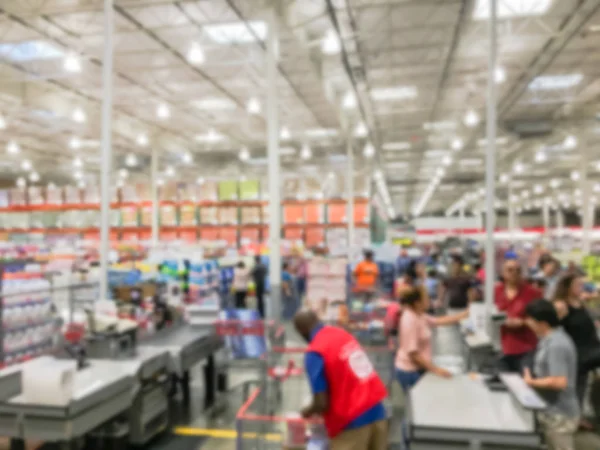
{"x": 555, "y": 376}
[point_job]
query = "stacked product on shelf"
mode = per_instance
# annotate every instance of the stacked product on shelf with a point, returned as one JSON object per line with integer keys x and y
{"x": 326, "y": 286}
{"x": 204, "y": 283}
{"x": 27, "y": 323}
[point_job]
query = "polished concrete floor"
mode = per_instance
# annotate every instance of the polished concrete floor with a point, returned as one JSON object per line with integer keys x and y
{"x": 196, "y": 431}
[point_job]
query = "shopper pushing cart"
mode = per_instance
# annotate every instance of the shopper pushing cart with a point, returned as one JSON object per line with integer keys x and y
{"x": 347, "y": 391}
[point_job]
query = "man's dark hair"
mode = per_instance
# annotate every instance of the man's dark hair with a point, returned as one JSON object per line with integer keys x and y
{"x": 432, "y": 273}
{"x": 457, "y": 259}
{"x": 369, "y": 254}
{"x": 411, "y": 296}
{"x": 543, "y": 311}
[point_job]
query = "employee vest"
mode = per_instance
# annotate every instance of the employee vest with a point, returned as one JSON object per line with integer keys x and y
{"x": 353, "y": 384}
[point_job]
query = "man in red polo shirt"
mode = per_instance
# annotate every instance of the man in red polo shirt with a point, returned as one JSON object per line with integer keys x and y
{"x": 512, "y": 297}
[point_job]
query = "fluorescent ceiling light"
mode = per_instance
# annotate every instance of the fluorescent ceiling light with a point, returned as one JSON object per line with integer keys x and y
{"x": 555, "y": 183}
{"x": 457, "y": 144}
{"x": 131, "y": 160}
{"x": 195, "y": 54}
{"x": 187, "y": 158}
{"x": 396, "y": 146}
{"x": 471, "y": 119}
{"x": 570, "y": 142}
{"x": 169, "y": 171}
{"x": 518, "y": 168}
{"x": 244, "y": 154}
{"x": 75, "y": 143}
{"x": 163, "y": 112}
{"x": 321, "y": 132}
{"x": 511, "y": 8}
{"x": 444, "y": 125}
{"x": 123, "y": 173}
{"x": 30, "y": 51}
{"x": 447, "y": 160}
{"x": 78, "y": 115}
{"x": 253, "y": 106}
{"x": 554, "y": 82}
{"x": 34, "y": 177}
{"x": 396, "y": 165}
{"x": 504, "y": 178}
{"x": 72, "y": 63}
{"x": 500, "y": 75}
{"x": 21, "y": 182}
{"x": 284, "y": 134}
{"x": 330, "y": 44}
{"x": 503, "y": 140}
{"x": 77, "y": 163}
{"x": 470, "y": 162}
{"x": 349, "y": 101}
{"x": 200, "y": 180}
{"x": 306, "y": 152}
{"x": 142, "y": 140}
{"x": 12, "y": 148}
{"x": 435, "y": 153}
{"x": 369, "y": 150}
{"x": 361, "y": 130}
{"x": 214, "y": 104}
{"x": 575, "y": 175}
{"x": 525, "y": 194}
{"x": 26, "y": 165}
{"x": 211, "y": 137}
{"x": 78, "y": 174}
{"x": 2, "y": 122}
{"x": 394, "y": 93}
{"x": 236, "y": 32}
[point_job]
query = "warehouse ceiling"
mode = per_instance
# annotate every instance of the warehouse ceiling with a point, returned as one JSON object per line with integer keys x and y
{"x": 406, "y": 79}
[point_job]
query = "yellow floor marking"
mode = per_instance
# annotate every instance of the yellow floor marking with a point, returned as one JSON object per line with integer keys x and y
{"x": 218, "y": 433}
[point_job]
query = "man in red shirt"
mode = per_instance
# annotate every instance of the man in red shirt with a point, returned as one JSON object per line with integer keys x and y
{"x": 512, "y": 296}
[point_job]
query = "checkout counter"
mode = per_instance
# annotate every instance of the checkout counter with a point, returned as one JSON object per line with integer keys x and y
{"x": 471, "y": 411}
{"x": 124, "y": 391}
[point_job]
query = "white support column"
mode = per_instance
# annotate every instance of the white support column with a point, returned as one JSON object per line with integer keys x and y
{"x": 274, "y": 311}
{"x": 350, "y": 193}
{"x": 106, "y": 155}
{"x": 546, "y": 221}
{"x": 490, "y": 162}
{"x": 461, "y": 215}
{"x": 155, "y": 204}
{"x": 511, "y": 211}
{"x": 560, "y": 219}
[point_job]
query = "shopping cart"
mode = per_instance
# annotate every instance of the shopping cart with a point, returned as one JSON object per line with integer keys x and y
{"x": 264, "y": 424}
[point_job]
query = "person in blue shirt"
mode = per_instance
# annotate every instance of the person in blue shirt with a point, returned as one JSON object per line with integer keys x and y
{"x": 402, "y": 262}
{"x": 287, "y": 294}
{"x": 315, "y": 370}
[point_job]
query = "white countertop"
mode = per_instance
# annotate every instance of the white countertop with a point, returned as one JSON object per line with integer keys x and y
{"x": 465, "y": 403}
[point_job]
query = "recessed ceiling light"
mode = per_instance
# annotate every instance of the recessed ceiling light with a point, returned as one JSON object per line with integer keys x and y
{"x": 306, "y": 152}
{"x": 575, "y": 175}
{"x": 538, "y": 189}
{"x": 396, "y": 146}
{"x": 447, "y": 160}
{"x": 349, "y": 101}
{"x": 361, "y": 130}
{"x": 187, "y": 158}
{"x": 79, "y": 115}
{"x": 244, "y": 154}
{"x": 504, "y": 178}
{"x": 518, "y": 168}
{"x": 26, "y": 165}
{"x": 471, "y": 119}
{"x": 195, "y": 54}
{"x": 394, "y": 93}
{"x": 253, "y": 106}
{"x": 78, "y": 174}
{"x": 131, "y": 160}
{"x": 211, "y": 137}
{"x": 555, "y": 82}
{"x": 142, "y": 140}
{"x": 541, "y": 156}
{"x": 499, "y": 75}
{"x": 163, "y": 112}
{"x": 77, "y": 162}
{"x": 525, "y": 194}
{"x": 75, "y": 143}
{"x": 199, "y": 180}
{"x": 169, "y": 171}
{"x": 369, "y": 150}
{"x": 34, "y": 177}
{"x": 330, "y": 44}
{"x": 160, "y": 182}
{"x": 21, "y": 182}
{"x": 72, "y": 63}
{"x": 570, "y": 142}
{"x": 457, "y": 144}
{"x": 577, "y": 192}
{"x": 555, "y": 183}
{"x": 284, "y": 134}
{"x": 511, "y": 8}
{"x": 123, "y": 173}
{"x": 12, "y": 148}
{"x": 440, "y": 172}
{"x": 236, "y": 32}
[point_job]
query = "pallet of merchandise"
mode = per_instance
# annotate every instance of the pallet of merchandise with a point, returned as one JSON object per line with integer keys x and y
{"x": 326, "y": 286}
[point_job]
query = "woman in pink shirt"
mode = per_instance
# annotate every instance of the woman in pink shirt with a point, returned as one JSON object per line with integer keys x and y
{"x": 414, "y": 355}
